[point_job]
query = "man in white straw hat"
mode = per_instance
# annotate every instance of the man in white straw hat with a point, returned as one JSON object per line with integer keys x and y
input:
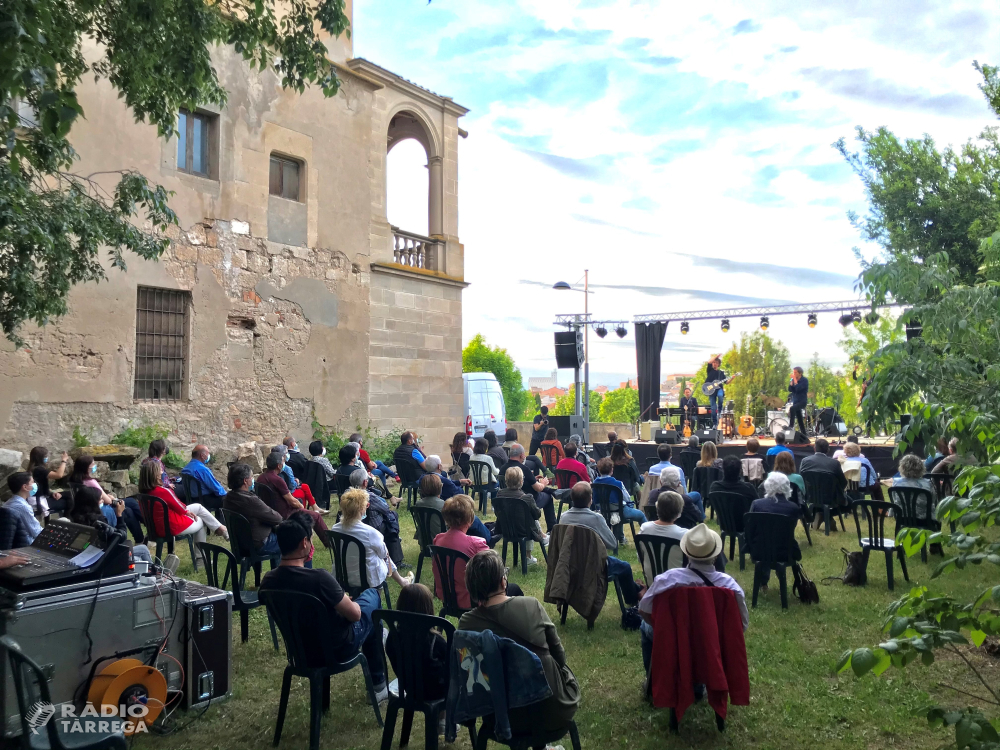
{"x": 701, "y": 545}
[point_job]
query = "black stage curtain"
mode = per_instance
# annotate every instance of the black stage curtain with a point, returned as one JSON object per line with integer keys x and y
{"x": 648, "y": 343}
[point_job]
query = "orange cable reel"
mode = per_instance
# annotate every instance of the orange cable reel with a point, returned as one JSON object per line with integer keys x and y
{"x": 131, "y": 691}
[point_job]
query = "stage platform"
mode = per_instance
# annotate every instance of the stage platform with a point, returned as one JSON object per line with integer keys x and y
{"x": 877, "y": 450}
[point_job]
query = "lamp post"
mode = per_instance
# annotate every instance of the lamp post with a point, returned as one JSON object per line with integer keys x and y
{"x": 585, "y": 412}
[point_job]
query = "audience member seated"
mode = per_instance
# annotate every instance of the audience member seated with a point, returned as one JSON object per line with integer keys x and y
{"x": 351, "y": 628}
{"x": 509, "y": 437}
{"x": 86, "y": 511}
{"x": 274, "y": 480}
{"x": 911, "y": 474}
{"x": 495, "y": 451}
{"x": 449, "y": 487}
{"x": 407, "y": 450}
{"x": 941, "y": 450}
{"x": 552, "y": 440}
{"x": 953, "y": 461}
{"x": 580, "y": 514}
{"x": 710, "y": 455}
{"x": 732, "y": 480}
{"x": 524, "y": 620}
{"x": 777, "y": 499}
{"x": 480, "y": 455}
{"x": 378, "y": 564}
{"x": 430, "y": 497}
{"x": 46, "y": 500}
{"x": 417, "y": 598}
{"x": 197, "y": 469}
{"x": 779, "y": 446}
{"x": 839, "y": 453}
{"x": 664, "y": 452}
{"x": 22, "y": 487}
{"x": 532, "y": 484}
{"x": 571, "y": 464}
{"x": 299, "y": 490}
{"x": 461, "y": 454}
{"x": 375, "y": 468}
{"x": 753, "y": 450}
{"x": 753, "y": 462}
{"x": 318, "y": 452}
{"x": 626, "y": 507}
{"x": 621, "y": 457}
{"x": 158, "y": 451}
{"x": 582, "y": 456}
{"x": 693, "y": 448}
{"x": 694, "y": 509}
{"x": 241, "y": 499}
{"x": 382, "y": 518}
{"x": 347, "y": 456}
{"x": 193, "y": 518}
{"x": 869, "y": 477}
{"x": 294, "y": 460}
{"x": 820, "y": 461}
{"x": 702, "y": 546}
{"x": 514, "y": 480}
{"x": 785, "y": 463}
{"x": 669, "y": 506}
{"x": 84, "y": 469}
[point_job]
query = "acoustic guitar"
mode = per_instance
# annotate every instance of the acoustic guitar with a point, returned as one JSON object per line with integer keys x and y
{"x": 746, "y": 427}
{"x": 687, "y": 429}
{"x": 709, "y": 388}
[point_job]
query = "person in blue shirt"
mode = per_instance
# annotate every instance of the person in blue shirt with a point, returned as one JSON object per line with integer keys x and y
{"x": 780, "y": 446}
{"x": 197, "y": 469}
{"x": 663, "y": 452}
{"x": 22, "y": 486}
{"x": 626, "y": 508}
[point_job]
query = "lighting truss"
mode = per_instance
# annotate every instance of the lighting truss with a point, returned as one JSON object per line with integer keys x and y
{"x": 749, "y": 312}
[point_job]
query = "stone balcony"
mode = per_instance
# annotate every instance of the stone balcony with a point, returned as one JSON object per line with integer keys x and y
{"x": 414, "y": 250}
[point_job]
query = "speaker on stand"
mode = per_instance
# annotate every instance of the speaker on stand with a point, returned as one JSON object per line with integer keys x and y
{"x": 569, "y": 349}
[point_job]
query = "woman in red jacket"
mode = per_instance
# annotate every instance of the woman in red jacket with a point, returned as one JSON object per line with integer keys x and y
{"x": 184, "y": 519}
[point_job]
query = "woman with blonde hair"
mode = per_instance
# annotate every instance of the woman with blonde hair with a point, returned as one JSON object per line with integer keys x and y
{"x": 378, "y": 564}
{"x": 710, "y": 455}
{"x": 785, "y": 464}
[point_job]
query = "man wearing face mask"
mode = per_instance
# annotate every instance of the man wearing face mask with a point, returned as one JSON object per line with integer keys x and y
{"x": 22, "y": 486}
{"x": 263, "y": 519}
{"x": 350, "y": 622}
{"x": 197, "y": 469}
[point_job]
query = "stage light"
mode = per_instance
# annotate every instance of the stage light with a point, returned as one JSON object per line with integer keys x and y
{"x": 871, "y": 318}
{"x": 845, "y": 320}
{"x": 858, "y": 430}
{"x": 725, "y": 325}
{"x": 685, "y": 328}
{"x": 601, "y": 331}
{"x": 812, "y": 320}
{"x": 621, "y": 331}
{"x": 764, "y": 323}
{"x": 855, "y": 316}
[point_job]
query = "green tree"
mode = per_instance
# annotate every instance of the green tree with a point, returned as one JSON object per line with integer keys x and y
{"x": 824, "y": 384}
{"x": 953, "y": 368}
{"x": 566, "y": 404}
{"x": 53, "y": 222}
{"x": 861, "y": 342}
{"x": 478, "y": 356}
{"x": 620, "y": 405}
{"x": 764, "y": 366}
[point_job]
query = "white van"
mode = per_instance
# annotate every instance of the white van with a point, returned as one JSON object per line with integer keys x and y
{"x": 484, "y": 405}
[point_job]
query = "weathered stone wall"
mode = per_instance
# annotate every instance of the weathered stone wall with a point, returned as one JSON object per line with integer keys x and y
{"x": 416, "y": 355}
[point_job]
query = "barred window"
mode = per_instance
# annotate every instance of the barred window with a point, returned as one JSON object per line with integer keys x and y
{"x": 161, "y": 350}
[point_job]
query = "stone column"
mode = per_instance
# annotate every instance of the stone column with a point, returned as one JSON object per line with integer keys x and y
{"x": 435, "y": 197}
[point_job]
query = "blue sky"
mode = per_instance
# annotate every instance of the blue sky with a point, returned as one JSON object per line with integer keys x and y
{"x": 680, "y": 152}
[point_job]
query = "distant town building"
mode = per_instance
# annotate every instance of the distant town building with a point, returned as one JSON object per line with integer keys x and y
{"x": 550, "y": 395}
{"x": 543, "y": 383}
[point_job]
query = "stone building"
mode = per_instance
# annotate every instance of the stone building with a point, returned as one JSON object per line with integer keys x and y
{"x": 285, "y": 296}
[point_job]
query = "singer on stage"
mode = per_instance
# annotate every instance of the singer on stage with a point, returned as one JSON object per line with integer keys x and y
{"x": 715, "y": 401}
{"x": 798, "y": 390}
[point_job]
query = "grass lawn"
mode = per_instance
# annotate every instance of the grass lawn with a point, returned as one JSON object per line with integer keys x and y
{"x": 796, "y": 698}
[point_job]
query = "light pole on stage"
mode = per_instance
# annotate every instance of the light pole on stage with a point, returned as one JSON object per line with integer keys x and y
{"x": 585, "y": 411}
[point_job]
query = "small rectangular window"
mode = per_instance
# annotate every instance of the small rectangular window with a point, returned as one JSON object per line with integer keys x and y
{"x": 284, "y": 178}
{"x": 161, "y": 350}
{"x": 193, "y": 143}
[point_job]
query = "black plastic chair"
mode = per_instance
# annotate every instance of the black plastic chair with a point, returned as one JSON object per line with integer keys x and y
{"x": 550, "y": 456}
{"x": 342, "y": 543}
{"x": 687, "y": 462}
{"x": 291, "y": 610}
{"x": 563, "y": 609}
{"x": 770, "y": 537}
{"x": 443, "y": 562}
{"x": 341, "y": 483}
{"x": 146, "y": 504}
{"x": 907, "y": 498}
{"x": 565, "y": 479}
{"x": 429, "y": 523}
{"x": 822, "y": 495}
{"x": 875, "y": 514}
{"x": 769, "y": 463}
{"x": 241, "y": 543}
{"x": 409, "y": 480}
{"x": 732, "y": 506}
{"x": 654, "y": 554}
{"x": 480, "y": 475}
{"x": 603, "y": 494}
{"x": 195, "y": 492}
{"x": 314, "y": 477}
{"x": 411, "y": 632}
{"x": 623, "y": 473}
{"x": 243, "y": 601}
{"x": 701, "y": 482}
{"x": 270, "y": 498}
{"x": 649, "y": 463}
{"x": 512, "y": 514}
{"x": 31, "y": 685}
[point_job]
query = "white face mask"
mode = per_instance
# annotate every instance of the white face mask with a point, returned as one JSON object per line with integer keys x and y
{"x": 208, "y": 458}
{"x": 323, "y": 453}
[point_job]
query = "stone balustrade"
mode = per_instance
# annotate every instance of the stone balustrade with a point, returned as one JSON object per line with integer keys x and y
{"x": 414, "y": 250}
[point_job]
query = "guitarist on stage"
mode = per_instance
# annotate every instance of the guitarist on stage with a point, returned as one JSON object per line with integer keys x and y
{"x": 689, "y": 409}
{"x": 798, "y": 390}
{"x": 716, "y": 400}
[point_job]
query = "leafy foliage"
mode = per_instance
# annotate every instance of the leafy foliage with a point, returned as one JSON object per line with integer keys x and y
{"x": 81, "y": 439}
{"x": 380, "y": 445}
{"x": 566, "y": 404}
{"x": 141, "y": 435}
{"x": 765, "y": 368}
{"x": 478, "y": 356}
{"x": 620, "y": 405}
{"x": 54, "y": 223}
